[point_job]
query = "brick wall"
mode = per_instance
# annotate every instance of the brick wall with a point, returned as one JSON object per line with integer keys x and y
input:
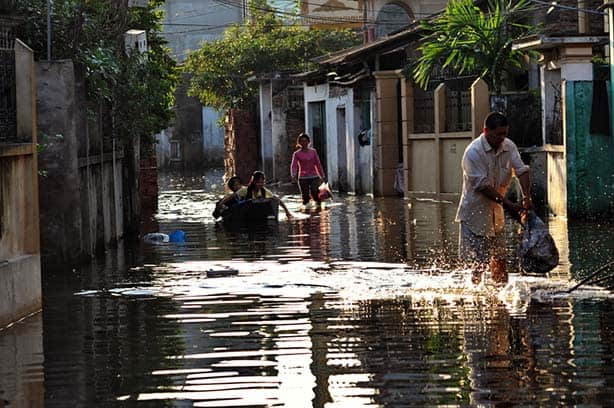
{"x": 241, "y": 149}
{"x": 148, "y": 183}
{"x": 562, "y": 22}
{"x": 295, "y": 124}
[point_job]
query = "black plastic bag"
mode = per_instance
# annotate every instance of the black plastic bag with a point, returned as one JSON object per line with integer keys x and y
{"x": 537, "y": 252}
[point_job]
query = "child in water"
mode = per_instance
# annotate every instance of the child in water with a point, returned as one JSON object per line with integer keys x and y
{"x": 255, "y": 189}
{"x": 230, "y": 199}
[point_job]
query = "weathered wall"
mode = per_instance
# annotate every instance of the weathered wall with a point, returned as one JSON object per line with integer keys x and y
{"x": 85, "y": 201}
{"x": 266, "y": 126}
{"x": 288, "y": 117}
{"x": 282, "y": 119}
{"x": 559, "y": 21}
{"x": 548, "y": 177}
{"x": 188, "y": 127}
{"x": 213, "y": 138}
{"x": 364, "y": 118}
{"x": 590, "y": 168}
{"x": 279, "y": 139}
{"x": 342, "y": 150}
{"x": 295, "y": 124}
{"x": 148, "y": 182}
{"x": 386, "y": 141}
{"x": 20, "y": 285}
{"x": 59, "y": 190}
{"x": 241, "y": 156}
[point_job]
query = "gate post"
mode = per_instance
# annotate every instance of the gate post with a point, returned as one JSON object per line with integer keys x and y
{"x": 407, "y": 120}
{"x": 440, "y": 127}
{"x": 480, "y": 105}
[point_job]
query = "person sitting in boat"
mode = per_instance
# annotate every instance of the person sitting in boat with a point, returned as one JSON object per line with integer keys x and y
{"x": 230, "y": 199}
{"x": 255, "y": 190}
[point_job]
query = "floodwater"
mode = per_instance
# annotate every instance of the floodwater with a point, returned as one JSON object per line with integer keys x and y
{"x": 362, "y": 304}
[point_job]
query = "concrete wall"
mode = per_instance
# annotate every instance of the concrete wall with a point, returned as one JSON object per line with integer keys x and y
{"x": 188, "y": 129}
{"x": 386, "y": 141}
{"x": 266, "y": 129}
{"x": 294, "y": 125}
{"x": 82, "y": 192}
{"x": 342, "y": 150}
{"x": 343, "y": 153}
{"x": 280, "y": 124}
{"x": 213, "y": 138}
{"x": 548, "y": 177}
{"x": 364, "y": 178}
{"x": 20, "y": 285}
{"x": 282, "y": 152}
{"x": 60, "y": 188}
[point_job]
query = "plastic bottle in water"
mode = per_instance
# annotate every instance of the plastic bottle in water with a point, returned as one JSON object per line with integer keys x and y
{"x": 156, "y": 238}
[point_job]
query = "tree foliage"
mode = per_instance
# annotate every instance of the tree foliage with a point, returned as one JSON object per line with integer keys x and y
{"x": 265, "y": 44}
{"x": 137, "y": 90}
{"x": 466, "y": 39}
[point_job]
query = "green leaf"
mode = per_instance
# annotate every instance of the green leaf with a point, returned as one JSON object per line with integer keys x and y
{"x": 468, "y": 39}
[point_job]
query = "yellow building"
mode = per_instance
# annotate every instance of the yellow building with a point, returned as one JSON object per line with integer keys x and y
{"x": 376, "y": 17}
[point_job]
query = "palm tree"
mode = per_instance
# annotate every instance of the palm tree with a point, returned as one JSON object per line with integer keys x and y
{"x": 468, "y": 40}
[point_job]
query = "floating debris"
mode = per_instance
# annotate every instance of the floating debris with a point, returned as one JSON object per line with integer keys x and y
{"x": 217, "y": 273}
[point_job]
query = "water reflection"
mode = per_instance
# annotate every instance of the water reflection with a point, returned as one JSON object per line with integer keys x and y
{"x": 359, "y": 305}
{"x": 21, "y": 361}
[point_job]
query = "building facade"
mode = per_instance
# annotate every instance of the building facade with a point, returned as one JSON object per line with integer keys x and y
{"x": 196, "y": 139}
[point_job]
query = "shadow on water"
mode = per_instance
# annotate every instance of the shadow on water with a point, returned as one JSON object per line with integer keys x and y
{"x": 362, "y": 304}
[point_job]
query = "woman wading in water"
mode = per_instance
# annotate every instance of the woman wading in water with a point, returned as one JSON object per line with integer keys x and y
{"x": 306, "y": 168}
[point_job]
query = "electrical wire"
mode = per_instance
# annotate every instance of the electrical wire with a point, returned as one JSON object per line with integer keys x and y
{"x": 539, "y": 5}
{"x": 563, "y": 7}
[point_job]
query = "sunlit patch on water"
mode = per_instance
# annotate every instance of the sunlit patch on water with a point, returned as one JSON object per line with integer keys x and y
{"x": 351, "y": 281}
{"x": 344, "y": 334}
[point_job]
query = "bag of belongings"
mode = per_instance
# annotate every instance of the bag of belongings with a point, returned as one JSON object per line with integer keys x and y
{"x": 324, "y": 192}
{"x": 537, "y": 252}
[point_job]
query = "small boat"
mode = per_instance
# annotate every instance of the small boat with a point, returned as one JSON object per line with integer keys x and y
{"x": 255, "y": 210}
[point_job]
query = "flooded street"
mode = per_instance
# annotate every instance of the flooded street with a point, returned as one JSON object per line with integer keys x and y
{"x": 362, "y": 304}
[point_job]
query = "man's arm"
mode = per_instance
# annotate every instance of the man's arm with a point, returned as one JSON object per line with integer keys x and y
{"x": 475, "y": 170}
{"x": 493, "y": 195}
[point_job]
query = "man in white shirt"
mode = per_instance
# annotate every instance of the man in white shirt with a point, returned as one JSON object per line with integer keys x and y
{"x": 488, "y": 163}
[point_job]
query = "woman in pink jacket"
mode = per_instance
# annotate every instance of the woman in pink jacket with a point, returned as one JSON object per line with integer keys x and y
{"x": 307, "y": 169}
